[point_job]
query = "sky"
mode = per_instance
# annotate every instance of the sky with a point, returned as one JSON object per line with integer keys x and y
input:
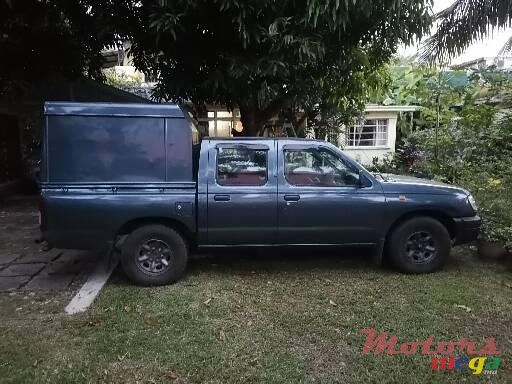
{"x": 484, "y": 48}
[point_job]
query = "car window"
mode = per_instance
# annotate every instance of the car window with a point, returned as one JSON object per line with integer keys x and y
{"x": 318, "y": 167}
{"x": 241, "y": 167}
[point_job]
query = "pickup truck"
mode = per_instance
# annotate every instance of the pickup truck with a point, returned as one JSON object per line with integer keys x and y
{"x": 135, "y": 177}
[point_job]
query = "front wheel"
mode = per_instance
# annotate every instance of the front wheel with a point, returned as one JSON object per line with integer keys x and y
{"x": 154, "y": 255}
{"x": 419, "y": 245}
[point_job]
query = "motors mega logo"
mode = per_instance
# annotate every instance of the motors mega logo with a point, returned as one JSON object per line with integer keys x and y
{"x": 484, "y": 361}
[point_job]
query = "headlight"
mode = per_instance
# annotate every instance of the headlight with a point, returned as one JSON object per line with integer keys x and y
{"x": 472, "y": 202}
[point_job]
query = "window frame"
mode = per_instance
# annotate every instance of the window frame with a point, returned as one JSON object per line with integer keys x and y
{"x": 296, "y": 148}
{"x": 380, "y": 146}
{"x": 254, "y": 147}
{"x": 234, "y": 120}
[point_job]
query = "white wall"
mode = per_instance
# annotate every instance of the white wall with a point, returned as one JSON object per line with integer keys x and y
{"x": 366, "y": 155}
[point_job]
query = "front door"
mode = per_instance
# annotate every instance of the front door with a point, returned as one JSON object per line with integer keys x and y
{"x": 320, "y": 200}
{"x": 242, "y": 193}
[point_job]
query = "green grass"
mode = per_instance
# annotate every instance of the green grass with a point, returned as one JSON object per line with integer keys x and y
{"x": 279, "y": 318}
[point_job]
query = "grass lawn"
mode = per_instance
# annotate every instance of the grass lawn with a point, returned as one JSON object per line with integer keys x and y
{"x": 261, "y": 318}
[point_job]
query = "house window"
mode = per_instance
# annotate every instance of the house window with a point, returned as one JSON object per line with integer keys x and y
{"x": 221, "y": 123}
{"x": 370, "y": 133}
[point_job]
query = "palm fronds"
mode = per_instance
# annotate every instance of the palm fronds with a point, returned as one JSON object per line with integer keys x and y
{"x": 461, "y": 24}
{"x": 506, "y": 48}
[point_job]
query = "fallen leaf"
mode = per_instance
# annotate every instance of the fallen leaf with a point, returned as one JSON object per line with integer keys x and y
{"x": 127, "y": 308}
{"x": 332, "y": 303}
{"x": 151, "y": 321}
{"x": 172, "y": 375}
{"x": 94, "y": 323}
{"x": 222, "y": 335}
{"x": 467, "y": 309}
{"x": 207, "y": 301}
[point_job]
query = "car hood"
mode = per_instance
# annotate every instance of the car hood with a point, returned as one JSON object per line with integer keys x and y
{"x": 401, "y": 184}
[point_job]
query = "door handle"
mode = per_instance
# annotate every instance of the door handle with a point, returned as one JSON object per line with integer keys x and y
{"x": 221, "y": 197}
{"x": 291, "y": 197}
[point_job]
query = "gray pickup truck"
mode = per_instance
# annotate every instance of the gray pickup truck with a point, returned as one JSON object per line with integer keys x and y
{"x": 135, "y": 177}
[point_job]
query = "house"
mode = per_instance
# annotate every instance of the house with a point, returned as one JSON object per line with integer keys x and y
{"x": 373, "y": 137}
{"x": 481, "y": 63}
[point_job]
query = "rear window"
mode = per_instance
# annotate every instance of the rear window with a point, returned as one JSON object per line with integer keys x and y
{"x": 241, "y": 167}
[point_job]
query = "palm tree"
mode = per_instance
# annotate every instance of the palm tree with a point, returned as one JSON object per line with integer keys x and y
{"x": 461, "y": 24}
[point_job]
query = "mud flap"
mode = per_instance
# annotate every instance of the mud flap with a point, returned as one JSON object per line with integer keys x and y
{"x": 378, "y": 252}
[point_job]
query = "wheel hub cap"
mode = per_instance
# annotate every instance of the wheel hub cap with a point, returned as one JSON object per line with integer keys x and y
{"x": 420, "y": 247}
{"x": 154, "y": 256}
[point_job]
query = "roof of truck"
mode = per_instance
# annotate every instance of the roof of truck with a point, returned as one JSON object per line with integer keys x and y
{"x": 113, "y": 109}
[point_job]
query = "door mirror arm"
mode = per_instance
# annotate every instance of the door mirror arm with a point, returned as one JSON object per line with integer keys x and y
{"x": 362, "y": 180}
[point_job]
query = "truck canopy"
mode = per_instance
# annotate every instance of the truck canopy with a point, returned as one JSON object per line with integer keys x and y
{"x": 116, "y": 143}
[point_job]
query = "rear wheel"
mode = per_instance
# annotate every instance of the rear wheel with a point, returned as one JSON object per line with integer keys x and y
{"x": 154, "y": 255}
{"x": 419, "y": 245}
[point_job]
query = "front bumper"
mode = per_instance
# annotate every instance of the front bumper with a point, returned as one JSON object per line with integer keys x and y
{"x": 466, "y": 229}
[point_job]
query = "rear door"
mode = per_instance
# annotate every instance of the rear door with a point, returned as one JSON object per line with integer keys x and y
{"x": 242, "y": 193}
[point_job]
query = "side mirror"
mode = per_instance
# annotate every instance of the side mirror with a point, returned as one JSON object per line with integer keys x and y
{"x": 363, "y": 181}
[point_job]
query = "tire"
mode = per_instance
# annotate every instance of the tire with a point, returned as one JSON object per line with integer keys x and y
{"x": 144, "y": 251}
{"x": 419, "y": 245}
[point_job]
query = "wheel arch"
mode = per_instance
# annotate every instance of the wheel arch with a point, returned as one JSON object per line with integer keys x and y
{"x": 442, "y": 217}
{"x": 134, "y": 224}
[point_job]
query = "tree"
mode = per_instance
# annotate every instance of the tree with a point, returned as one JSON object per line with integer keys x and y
{"x": 464, "y": 22}
{"x": 267, "y": 56}
{"x": 43, "y": 38}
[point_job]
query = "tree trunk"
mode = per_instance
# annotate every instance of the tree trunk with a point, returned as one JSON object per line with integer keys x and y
{"x": 297, "y": 128}
{"x": 254, "y": 117}
{"x": 290, "y": 131}
{"x": 252, "y": 125}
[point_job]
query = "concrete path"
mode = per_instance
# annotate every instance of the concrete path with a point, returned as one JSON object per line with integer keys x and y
{"x": 23, "y": 266}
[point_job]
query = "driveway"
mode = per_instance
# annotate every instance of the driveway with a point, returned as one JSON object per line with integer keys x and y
{"x": 23, "y": 265}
